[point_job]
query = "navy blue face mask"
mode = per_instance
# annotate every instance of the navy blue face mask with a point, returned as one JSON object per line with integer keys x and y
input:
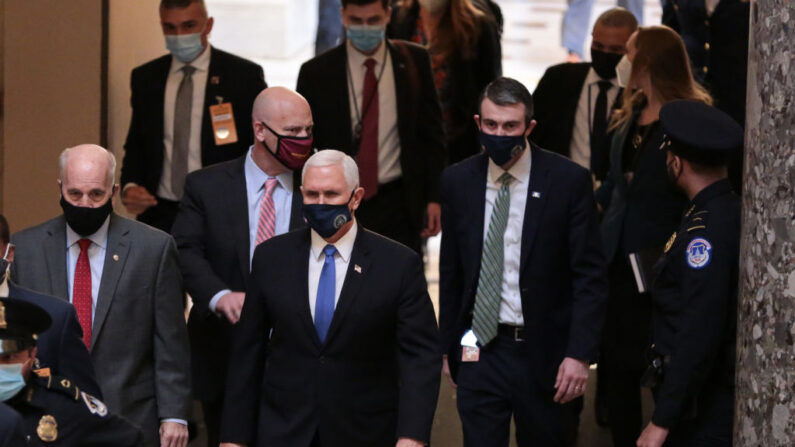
{"x": 327, "y": 219}
{"x": 501, "y": 148}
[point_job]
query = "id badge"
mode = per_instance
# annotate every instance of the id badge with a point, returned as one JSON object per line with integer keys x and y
{"x": 223, "y": 120}
{"x": 469, "y": 347}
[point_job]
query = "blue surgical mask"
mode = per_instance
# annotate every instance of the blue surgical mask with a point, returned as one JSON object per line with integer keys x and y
{"x": 365, "y": 38}
{"x": 326, "y": 219}
{"x": 185, "y": 47}
{"x": 11, "y": 381}
{"x": 501, "y": 148}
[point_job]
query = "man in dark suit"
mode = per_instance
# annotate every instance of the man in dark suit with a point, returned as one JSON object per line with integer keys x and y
{"x": 345, "y": 351}
{"x": 177, "y": 126}
{"x": 123, "y": 279}
{"x": 11, "y": 428}
{"x": 522, "y": 280}
{"x": 60, "y": 347}
{"x": 218, "y": 226}
{"x": 375, "y": 100}
{"x": 574, "y": 100}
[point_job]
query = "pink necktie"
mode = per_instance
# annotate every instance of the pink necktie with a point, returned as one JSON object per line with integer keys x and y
{"x": 267, "y": 212}
{"x": 81, "y": 293}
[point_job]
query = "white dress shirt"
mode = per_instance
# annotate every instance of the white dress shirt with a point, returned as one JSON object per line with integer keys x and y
{"x": 388, "y": 138}
{"x": 4, "y": 287}
{"x": 511, "y": 304}
{"x": 580, "y": 146}
{"x": 96, "y": 260}
{"x": 175, "y": 75}
{"x": 282, "y": 202}
{"x": 341, "y": 260}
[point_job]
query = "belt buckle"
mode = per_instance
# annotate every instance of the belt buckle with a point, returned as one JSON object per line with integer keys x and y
{"x": 516, "y": 336}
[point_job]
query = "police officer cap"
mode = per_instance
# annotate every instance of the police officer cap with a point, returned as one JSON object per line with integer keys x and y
{"x": 20, "y": 324}
{"x": 699, "y": 132}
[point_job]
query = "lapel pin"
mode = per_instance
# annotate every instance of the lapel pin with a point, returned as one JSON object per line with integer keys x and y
{"x": 220, "y": 99}
{"x": 115, "y": 257}
{"x": 215, "y": 80}
{"x": 358, "y": 268}
{"x": 536, "y": 195}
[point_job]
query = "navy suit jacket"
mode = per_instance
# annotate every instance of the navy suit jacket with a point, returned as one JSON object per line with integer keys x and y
{"x": 61, "y": 347}
{"x": 562, "y": 276}
{"x": 11, "y": 428}
{"x": 212, "y": 236}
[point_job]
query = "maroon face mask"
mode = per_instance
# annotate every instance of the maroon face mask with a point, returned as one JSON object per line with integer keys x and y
{"x": 292, "y": 152}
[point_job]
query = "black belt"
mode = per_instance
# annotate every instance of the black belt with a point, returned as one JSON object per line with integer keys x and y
{"x": 517, "y": 333}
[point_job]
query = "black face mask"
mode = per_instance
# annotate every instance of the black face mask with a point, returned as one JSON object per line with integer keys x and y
{"x": 83, "y": 220}
{"x": 605, "y": 63}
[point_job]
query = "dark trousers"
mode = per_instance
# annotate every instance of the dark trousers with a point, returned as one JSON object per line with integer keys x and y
{"x": 501, "y": 385}
{"x": 622, "y": 361}
{"x": 162, "y": 215}
{"x": 387, "y": 213}
{"x": 212, "y": 421}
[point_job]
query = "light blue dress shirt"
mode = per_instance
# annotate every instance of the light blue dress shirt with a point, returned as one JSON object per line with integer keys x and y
{"x": 282, "y": 202}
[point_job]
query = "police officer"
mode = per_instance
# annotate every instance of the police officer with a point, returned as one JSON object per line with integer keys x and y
{"x": 10, "y": 427}
{"x": 54, "y": 411}
{"x": 694, "y": 292}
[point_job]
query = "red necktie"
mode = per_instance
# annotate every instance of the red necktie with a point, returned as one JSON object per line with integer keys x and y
{"x": 81, "y": 294}
{"x": 368, "y": 146}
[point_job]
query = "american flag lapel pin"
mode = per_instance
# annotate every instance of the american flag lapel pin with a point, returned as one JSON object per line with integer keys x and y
{"x": 358, "y": 268}
{"x": 536, "y": 195}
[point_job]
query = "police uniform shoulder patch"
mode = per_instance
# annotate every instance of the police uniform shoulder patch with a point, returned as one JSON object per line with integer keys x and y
{"x": 95, "y": 406}
{"x": 699, "y": 253}
{"x": 63, "y": 385}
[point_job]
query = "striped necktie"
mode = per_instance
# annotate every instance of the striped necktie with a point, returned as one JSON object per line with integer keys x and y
{"x": 488, "y": 296}
{"x": 266, "y": 225}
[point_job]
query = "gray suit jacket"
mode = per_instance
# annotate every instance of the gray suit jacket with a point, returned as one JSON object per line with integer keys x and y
{"x": 139, "y": 342}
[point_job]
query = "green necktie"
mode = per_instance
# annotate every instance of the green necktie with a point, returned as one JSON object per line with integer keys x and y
{"x": 488, "y": 296}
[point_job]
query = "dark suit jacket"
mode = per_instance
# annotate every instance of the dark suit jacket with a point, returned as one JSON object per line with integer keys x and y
{"x": 641, "y": 215}
{"x": 11, "y": 428}
{"x": 61, "y": 346}
{"x": 555, "y": 103}
{"x": 139, "y": 343}
{"x": 212, "y": 235}
{"x": 234, "y": 79}
{"x": 717, "y": 46}
{"x": 466, "y": 79}
{"x": 323, "y": 82}
{"x": 562, "y": 270}
{"x": 376, "y": 377}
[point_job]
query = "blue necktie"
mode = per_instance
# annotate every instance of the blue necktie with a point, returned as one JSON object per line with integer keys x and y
{"x": 324, "y": 305}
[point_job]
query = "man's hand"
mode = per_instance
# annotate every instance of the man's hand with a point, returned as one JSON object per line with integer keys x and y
{"x": 571, "y": 381}
{"x": 173, "y": 434}
{"x": 434, "y": 220}
{"x": 406, "y": 442}
{"x": 230, "y": 305}
{"x": 137, "y": 199}
{"x": 446, "y": 372}
{"x": 652, "y": 436}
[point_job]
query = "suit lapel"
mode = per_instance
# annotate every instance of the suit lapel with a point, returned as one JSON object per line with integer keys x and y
{"x": 237, "y": 203}
{"x": 354, "y": 277}
{"x": 537, "y": 194}
{"x": 339, "y": 98}
{"x": 301, "y": 267}
{"x": 476, "y": 196}
{"x": 403, "y": 90}
{"x": 296, "y": 215}
{"x": 54, "y": 247}
{"x": 116, "y": 252}
{"x": 212, "y": 92}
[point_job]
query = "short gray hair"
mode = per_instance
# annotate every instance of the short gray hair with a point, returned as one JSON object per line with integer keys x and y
{"x": 63, "y": 158}
{"x": 333, "y": 157}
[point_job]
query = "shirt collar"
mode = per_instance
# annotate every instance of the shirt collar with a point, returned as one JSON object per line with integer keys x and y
{"x": 256, "y": 177}
{"x": 201, "y": 63}
{"x": 100, "y": 237}
{"x": 593, "y": 79}
{"x": 357, "y": 59}
{"x": 520, "y": 170}
{"x": 344, "y": 245}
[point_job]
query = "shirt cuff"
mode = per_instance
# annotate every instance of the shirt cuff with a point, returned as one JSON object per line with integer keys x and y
{"x": 178, "y": 421}
{"x": 214, "y": 300}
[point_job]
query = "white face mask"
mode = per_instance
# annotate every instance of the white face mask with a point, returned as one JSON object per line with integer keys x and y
{"x": 434, "y": 6}
{"x": 623, "y": 71}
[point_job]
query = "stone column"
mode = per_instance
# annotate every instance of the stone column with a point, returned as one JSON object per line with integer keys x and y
{"x": 765, "y": 399}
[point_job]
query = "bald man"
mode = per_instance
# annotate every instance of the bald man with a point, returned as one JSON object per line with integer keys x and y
{"x": 123, "y": 279}
{"x": 226, "y": 211}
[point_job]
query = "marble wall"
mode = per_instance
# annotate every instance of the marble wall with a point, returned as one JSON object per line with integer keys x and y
{"x": 765, "y": 404}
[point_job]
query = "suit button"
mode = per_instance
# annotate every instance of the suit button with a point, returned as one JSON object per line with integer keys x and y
{"x": 322, "y": 360}
{"x": 706, "y": 46}
{"x": 705, "y": 69}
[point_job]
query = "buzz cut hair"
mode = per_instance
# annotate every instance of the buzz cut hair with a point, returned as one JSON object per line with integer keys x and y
{"x": 179, "y": 4}
{"x": 618, "y": 18}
